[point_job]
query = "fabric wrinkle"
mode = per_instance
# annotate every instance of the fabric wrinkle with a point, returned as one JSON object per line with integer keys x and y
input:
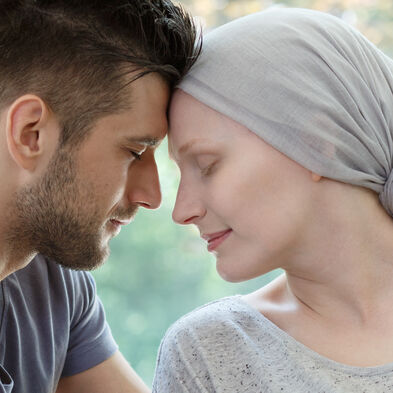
{"x": 386, "y": 196}
{"x": 309, "y": 85}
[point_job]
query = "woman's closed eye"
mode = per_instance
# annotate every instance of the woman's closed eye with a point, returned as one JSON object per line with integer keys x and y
{"x": 206, "y": 163}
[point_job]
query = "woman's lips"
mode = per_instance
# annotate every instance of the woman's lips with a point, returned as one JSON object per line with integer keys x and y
{"x": 215, "y": 239}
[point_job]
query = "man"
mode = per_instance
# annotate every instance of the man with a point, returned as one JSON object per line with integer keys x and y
{"x": 84, "y": 88}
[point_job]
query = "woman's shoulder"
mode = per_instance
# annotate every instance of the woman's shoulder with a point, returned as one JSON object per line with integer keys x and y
{"x": 212, "y": 313}
{"x": 240, "y": 313}
{"x": 214, "y": 343}
{"x": 214, "y": 323}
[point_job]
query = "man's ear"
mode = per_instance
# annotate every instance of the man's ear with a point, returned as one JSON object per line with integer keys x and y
{"x": 27, "y": 131}
{"x": 315, "y": 178}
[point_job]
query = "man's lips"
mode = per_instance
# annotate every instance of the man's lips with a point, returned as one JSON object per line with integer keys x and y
{"x": 215, "y": 239}
{"x": 120, "y": 222}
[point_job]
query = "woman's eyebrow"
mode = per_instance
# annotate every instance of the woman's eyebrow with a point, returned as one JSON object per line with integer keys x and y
{"x": 184, "y": 148}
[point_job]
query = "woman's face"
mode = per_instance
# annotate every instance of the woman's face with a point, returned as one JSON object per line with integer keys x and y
{"x": 250, "y": 202}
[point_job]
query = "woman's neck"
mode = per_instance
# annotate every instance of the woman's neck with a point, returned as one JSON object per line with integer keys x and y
{"x": 346, "y": 268}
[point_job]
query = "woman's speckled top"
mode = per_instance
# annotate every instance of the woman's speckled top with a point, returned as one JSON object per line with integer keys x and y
{"x": 227, "y": 347}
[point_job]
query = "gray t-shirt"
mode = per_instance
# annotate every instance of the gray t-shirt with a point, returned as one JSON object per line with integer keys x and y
{"x": 227, "y": 346}
{"x": 52, "y": 324}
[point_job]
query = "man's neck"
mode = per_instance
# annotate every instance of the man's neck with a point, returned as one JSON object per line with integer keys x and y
{"x": 13, "y": 260}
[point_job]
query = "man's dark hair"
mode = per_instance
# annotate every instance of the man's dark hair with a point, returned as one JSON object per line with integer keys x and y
{"x": 78, "y": 55}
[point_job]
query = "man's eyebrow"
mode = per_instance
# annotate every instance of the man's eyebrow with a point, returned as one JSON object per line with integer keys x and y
{"x": 147, "y": 141}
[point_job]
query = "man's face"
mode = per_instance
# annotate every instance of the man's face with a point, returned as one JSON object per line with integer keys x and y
{"x": 88, "y": 192}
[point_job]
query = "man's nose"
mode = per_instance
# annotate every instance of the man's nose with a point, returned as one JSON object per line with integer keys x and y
{"x": 144, "y": 186}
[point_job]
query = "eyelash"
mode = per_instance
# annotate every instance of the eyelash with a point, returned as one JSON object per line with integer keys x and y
{"x": 136, "y": 155}
{"x": 206, "y": 171}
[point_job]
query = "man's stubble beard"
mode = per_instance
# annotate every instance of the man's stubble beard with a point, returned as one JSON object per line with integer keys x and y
{"x": 59, "y": 217}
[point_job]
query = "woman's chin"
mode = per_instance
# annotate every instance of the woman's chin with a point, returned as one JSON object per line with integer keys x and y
{"x": 229, "y": 274}
{"x": 236, "y": 271}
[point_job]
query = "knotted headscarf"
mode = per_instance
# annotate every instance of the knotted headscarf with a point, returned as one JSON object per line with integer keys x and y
{"x": 311, "y": 86}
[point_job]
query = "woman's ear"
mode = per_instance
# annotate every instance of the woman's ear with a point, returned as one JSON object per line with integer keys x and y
{"x": 315, "y": 178}
{"x": 26, "y": 130}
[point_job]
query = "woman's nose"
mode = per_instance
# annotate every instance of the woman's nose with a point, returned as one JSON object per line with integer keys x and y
{"x": 188, "y": 206}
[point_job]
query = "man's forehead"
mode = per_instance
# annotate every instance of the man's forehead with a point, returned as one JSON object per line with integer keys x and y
{"x": 144, "y": 121}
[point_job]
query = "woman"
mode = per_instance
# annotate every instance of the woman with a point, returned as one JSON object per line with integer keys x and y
{"x": 283, "y": 133}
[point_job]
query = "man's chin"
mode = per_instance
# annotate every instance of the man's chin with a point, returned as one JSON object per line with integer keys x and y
{"x": 88, "y": 261}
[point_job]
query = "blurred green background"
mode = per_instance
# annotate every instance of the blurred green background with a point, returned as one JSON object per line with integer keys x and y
{"x": 158, "y": 270}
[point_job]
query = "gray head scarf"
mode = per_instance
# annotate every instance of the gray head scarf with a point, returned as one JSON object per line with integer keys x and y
{"x": 309, "y": 85}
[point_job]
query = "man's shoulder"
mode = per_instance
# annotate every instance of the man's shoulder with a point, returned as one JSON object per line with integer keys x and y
{"x": 44, "y": 268}
{"x": 54, "y": 281}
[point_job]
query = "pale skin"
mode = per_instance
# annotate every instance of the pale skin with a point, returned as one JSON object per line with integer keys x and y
{"x": 30, "y": 135}
{"x": 333, "y": 240}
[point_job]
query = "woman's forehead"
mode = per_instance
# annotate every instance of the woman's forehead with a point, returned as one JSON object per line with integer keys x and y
{"x": 187, "y": 111}
{"x": 185, "y": 105}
